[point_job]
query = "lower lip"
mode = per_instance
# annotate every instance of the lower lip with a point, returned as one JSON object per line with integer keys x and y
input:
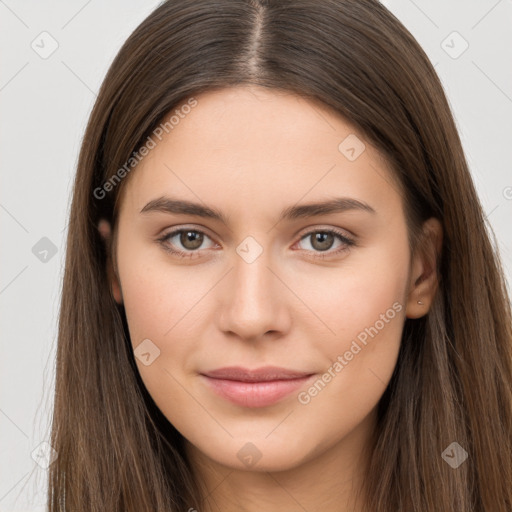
{"x": 255, "y": 394}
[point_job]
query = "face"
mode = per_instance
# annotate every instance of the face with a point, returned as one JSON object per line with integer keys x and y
{"x": 323, "y": 293}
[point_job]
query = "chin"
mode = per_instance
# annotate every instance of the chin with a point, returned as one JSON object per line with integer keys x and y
{"x": 257, "y": 454}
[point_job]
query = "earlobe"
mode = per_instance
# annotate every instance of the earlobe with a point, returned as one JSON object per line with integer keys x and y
{"x": 106, "y": 234}
{"x": 115, "y": 287}
{"x": 424, "y": 277}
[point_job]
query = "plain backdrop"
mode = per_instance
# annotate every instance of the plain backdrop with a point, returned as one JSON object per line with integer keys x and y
{"x": 54, "y": 56}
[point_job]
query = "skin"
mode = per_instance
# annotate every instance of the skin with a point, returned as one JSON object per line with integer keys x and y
{"x": 250, "y": 153}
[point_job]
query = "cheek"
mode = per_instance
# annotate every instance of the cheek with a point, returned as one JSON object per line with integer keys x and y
{"x": 157, "y": 296}
{"x": 159, "y": 304}
{"x": 165, "y": 311}
{"x": 362, "y": 309}
{"x": 364, "y": 290}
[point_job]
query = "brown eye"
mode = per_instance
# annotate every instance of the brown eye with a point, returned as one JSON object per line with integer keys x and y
{"x": 323, "y": 240}
{"x": 191, "y": 239}
{"x": 184, "y": 242}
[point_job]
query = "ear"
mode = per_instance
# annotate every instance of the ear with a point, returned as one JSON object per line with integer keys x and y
{"x": 423, "y": 281}
{"x": 105, "y": 231}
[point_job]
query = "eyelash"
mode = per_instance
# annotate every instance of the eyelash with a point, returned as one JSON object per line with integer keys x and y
{"x": 348, "y": 242}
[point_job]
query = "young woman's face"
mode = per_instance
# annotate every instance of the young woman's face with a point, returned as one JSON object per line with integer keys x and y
{"x": 322, "y": 292}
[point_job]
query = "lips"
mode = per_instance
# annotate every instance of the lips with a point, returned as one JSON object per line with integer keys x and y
{"x": 263, "y": 374}
{"x": 260, "y": 387}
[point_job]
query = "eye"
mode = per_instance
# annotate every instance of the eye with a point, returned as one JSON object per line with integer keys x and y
{"x": 192, "y": 239}
{"x": 323, "y": 240}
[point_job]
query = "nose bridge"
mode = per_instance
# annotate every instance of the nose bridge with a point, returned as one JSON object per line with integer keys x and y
{"x": 252, "y": 278}
{"x": 253, "y": 304}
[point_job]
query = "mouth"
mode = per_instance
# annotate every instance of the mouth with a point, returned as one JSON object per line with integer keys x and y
{"x": 255, "y": 388}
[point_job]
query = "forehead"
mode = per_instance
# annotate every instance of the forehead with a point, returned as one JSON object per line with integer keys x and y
{"x": 252, "y": 148}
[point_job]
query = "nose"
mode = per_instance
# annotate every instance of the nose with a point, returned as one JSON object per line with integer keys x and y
{"x": 254, "y": 302}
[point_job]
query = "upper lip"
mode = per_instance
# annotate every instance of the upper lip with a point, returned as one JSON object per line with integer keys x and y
{"x": 265, "y": 373}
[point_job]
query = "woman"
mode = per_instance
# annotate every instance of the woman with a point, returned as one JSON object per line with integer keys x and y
{"x": 280, "y": 291}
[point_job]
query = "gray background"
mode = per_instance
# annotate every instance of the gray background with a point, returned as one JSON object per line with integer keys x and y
{"x": 45, "y": 103}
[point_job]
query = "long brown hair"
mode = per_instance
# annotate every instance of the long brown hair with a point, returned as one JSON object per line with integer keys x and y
{"x": 453, "y": 380}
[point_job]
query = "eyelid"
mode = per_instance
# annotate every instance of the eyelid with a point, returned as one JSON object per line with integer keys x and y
{"x": 185, "y": 227}
{"x": 316, "y": 228}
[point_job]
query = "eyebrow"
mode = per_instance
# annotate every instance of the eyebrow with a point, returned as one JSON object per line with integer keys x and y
{"x": 180, "y": 206}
